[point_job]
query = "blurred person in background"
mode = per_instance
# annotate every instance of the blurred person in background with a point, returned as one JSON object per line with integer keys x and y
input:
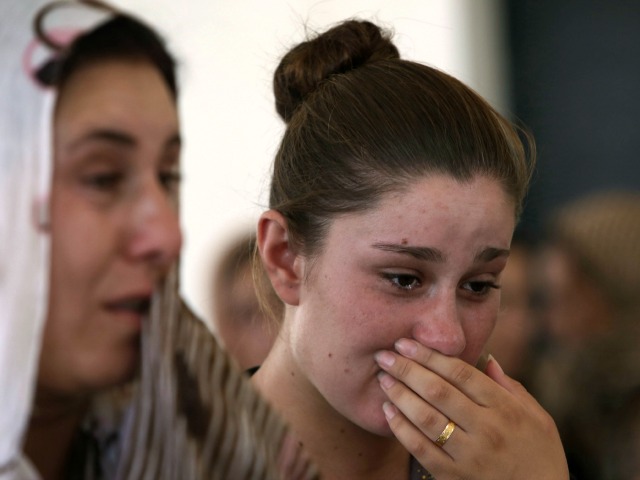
{"x": 589, "y": 281}
{"x": 238, "y": 318}
{"x": 603, "y": 427}
{"x": 516, "y": 334}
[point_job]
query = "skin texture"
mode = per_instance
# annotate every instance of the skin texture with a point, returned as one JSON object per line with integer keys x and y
{"x": 420, "y": 265}
{"x": 482, "y": 444}
{"x": 114, "y": 229}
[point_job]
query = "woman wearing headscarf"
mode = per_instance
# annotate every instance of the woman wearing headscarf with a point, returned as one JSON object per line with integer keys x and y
{"x": 90, "y": 162}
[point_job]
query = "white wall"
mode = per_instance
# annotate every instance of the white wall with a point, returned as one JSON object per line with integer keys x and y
{"x": 228, "y": 50}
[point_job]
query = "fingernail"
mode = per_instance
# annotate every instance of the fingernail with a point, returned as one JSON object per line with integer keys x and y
{"x": 483, "y": 361}
{"x": 492, "y": 359}
{"x": 389, "y": 410}
{"x": 385, "y": 359}
{"x": 385, "y": 380}
{"x": 406, "y": 347}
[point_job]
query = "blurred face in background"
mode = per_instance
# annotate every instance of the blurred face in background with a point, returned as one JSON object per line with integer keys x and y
{"x": 114, "y": 223}
{"x": 516, "y": 328}
{"x": 574, "y": 308}
{"x": 239, "y": 321}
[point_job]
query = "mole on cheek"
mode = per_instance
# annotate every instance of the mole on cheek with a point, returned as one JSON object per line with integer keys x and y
{"x": 330, "y": 355}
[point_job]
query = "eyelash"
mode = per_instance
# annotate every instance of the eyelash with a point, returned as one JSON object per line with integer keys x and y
{"x": 396, "y": 280}
{"x": 104, "y": 181}
{"x": 170, "y": 179}
{"x": 486, "y": 287}
{"x": 110, "y": 180}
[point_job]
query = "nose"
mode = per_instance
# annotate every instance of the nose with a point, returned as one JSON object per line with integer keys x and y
{"x": 155, "y": 234}
{"x": 438, "y": 326}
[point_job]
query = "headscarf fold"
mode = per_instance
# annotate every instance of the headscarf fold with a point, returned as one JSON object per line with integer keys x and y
{"x": 195, "y": 414}
{"x": 25, "y": 176}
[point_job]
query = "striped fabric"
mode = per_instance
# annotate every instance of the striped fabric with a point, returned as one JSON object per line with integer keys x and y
{"x": 195, "y": 414}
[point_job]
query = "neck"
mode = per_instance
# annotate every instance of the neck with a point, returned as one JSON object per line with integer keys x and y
{"x": 53, "y": 424}
{"x": 339, "y": 448}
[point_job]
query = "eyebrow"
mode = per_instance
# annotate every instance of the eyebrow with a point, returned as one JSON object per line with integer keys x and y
{"x": 421, "y": 253}
{"x": 119, "y": 138}
{"x": 490, "y": 253}
{"x": 434, "y": 255}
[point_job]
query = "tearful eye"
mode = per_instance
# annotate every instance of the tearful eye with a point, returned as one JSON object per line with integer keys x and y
{"x": 169, "y": 179}
{"x": 403, "y": 281}
{"x": 480, "y": 287}
{"x": 103, "y": 181}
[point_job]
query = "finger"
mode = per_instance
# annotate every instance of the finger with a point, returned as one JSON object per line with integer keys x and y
{"x": 430, "y": 421}
{"x": 426, "y": 386}
{"x": 495, "y": 372}
{"x": 469, "y": 380}
{"x": 421, "y": 448}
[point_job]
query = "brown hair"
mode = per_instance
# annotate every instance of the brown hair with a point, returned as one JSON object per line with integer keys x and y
{"x": 362, "y": 123}
{"x": 122, "y": 37}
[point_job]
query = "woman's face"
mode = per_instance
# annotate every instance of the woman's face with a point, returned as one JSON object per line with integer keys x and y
{"x": 424, "y": 264}
{"x": 114, "y": 226}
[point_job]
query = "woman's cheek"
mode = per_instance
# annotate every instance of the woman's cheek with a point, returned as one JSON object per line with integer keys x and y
{"x": 478, "y": 330}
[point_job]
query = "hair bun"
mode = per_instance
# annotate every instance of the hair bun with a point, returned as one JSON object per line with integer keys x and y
{"x": 342, "y": 48}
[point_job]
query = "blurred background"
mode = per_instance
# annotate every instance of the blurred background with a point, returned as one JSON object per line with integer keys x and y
{"x": 575, "y": 77}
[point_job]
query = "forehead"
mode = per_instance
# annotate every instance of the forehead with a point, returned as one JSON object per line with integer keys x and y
{"x": 437, "y": 210}
{"x": 127, "y": 93}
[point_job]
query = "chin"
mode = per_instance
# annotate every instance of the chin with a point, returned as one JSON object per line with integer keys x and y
{"x": 111, "y": 373}
{"x": 382, "y": 430}
{"x": 373, "y": 421}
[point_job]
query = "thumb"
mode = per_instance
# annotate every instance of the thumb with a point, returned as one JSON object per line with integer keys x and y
{"x": 494, "y": 371}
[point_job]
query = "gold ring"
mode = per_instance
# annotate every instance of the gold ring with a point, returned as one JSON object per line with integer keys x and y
{"x": 446, "y": 433}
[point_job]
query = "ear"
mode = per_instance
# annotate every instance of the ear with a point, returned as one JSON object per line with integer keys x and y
{"x": 281, "y": 262}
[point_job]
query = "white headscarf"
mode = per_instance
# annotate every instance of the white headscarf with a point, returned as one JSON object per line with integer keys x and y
{"x": 25, "y": 170}
{"x": 25, "y": 179}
